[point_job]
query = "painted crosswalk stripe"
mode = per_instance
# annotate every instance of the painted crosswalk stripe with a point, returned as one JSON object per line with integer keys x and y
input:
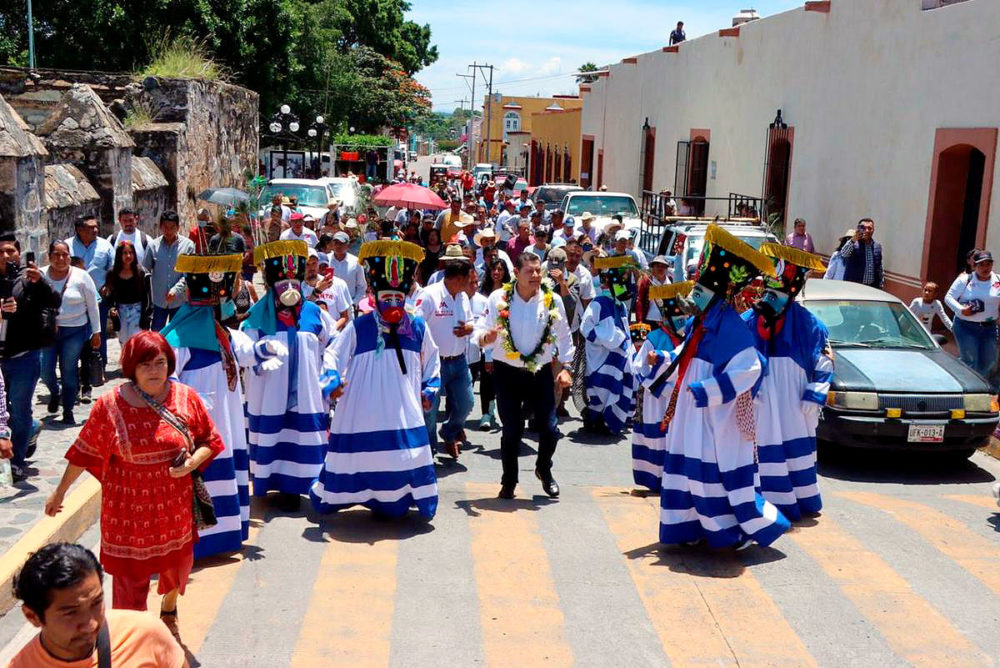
{"x": 519, "y": 607}
{"x": 981, "y": 500}
{"x": 975, "y": 554}
{"x": 208, "y": 587}
{"x": 705, "y": 610}
{"x": 349, "y": 619}
{"x": 914, "y": 629}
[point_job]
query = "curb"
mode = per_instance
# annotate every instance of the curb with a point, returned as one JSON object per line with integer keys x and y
{"x": 992, "y": 448}
{"x": 80, "y": 510}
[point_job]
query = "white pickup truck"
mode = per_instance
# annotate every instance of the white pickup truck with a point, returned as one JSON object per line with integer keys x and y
{"x": 603, "y": 205}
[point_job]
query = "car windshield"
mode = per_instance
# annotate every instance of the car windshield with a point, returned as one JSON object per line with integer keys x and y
{"x": 308, "y": 195}
{"x": 336, "y": 189}
{"x": 870, "y": 324}
{"x": 603, "y": 205}
{"x": 552, "y": 195}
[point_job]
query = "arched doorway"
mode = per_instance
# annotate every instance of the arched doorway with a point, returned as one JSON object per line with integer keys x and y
{"x": 698, "y": 175}
{"x": 958, "y": 195}
{"x": 776, "y": 194}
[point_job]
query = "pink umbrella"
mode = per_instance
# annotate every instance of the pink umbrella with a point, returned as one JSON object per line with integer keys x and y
{"x": 409, "y": 195}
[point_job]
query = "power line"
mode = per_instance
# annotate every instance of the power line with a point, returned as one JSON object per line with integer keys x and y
{"x": 515, "y": 81}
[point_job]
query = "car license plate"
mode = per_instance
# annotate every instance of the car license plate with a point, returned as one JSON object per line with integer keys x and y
{"x": 926, "y": 433}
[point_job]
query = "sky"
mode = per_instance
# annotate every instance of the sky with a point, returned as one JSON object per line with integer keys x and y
{"x": 533, "y": 46}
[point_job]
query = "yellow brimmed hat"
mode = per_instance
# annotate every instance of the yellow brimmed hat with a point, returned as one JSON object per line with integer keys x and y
{"x": 613, "y": 262}
{"x": 389, "y": 265}
{"x": 208, "y": 264}
{"x": 792, "y": 267}
{"x": 273, "y": 249}
{"x": 728, "y": 263}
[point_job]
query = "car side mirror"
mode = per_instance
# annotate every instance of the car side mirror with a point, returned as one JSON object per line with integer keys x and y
{"x": 940, "y": 338}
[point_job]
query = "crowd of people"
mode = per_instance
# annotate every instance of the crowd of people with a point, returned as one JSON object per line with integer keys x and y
{"x": 356, "y": 367}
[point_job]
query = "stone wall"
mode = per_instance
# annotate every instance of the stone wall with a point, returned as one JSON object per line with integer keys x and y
{"x": 68, "y": 196}
{"x": 150, "y": 194}
{"x": 204, "y": 133}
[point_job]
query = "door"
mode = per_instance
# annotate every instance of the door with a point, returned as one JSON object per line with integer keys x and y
{"x": 649, "y": 154}
{"x": 587, "y": 164}
{"x": 681, "y": 168}
{"x": 957, "y": 201}
{"x": 698, "y": 176}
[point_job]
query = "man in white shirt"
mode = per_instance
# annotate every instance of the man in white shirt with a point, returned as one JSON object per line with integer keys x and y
{"x": 565, "y": 233}
{"x": 346, "y": 267}
{"x": 446, "y": 309}
{"x": 505, "y": 221}
{"x": 297, "y": 231}
{"x": 586, "y": 222}
{"x": 515, "y": 327}
{"x": 128, "y": 232}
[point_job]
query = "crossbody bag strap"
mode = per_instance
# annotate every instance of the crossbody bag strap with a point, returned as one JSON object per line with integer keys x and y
{"x": 104, "y": 646}
{"x": 168, "y": 416}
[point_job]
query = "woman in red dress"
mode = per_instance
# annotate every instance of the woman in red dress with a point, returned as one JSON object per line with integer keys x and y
{"x": 147, "y": 522}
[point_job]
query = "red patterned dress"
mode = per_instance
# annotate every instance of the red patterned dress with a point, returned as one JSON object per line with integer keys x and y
{"x": 147, "y": 524}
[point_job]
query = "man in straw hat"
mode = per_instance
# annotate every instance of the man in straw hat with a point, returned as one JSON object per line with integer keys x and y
{"x": 288, "y": 408}
{"x": 648, "y": 440}
{"x": 709, "y": 474}
{"x": 378, "y": 455}
{"x": 795, "y": 385}
{"x": 609, "y": 382}
{"x": 209, "y": 355}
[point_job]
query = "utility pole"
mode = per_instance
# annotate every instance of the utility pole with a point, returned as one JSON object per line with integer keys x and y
{"x": 488, "y": 116}
{"x": 472, "y": 117}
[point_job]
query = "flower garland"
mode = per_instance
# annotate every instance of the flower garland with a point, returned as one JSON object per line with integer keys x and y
{"x": 548, "y": 337}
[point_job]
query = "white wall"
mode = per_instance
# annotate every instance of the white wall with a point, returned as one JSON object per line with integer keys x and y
{"x": 865, "y": 88}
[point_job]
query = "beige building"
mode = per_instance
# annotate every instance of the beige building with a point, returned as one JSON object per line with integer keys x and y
{"x": 506, "y": 131}
{"x": 888, "y": 109}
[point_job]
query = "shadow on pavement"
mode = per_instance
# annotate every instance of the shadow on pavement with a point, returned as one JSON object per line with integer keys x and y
{"x": 363, "y": 526}
{"x": 446, "y": 466}
{"x": 705, "y": 562}
{"x": 908, "y": 468}
{"x": 994, "y": 521}
{"x": 476, "y": 507}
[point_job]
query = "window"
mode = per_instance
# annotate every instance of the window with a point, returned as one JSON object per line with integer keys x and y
{"x": 511, "y": 123}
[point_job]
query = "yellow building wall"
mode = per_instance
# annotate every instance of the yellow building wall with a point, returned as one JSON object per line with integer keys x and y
{"x": 560, "y": 129}
{"x": 493, "y": 117}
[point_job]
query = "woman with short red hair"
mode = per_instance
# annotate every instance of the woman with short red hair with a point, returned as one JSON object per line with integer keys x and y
{"x": 142, "y": 441}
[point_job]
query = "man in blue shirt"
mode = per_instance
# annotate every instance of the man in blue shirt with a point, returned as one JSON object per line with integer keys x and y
{"x": 160, "y": 259}
{"x": 677, "y": 36}
{"x": 98, "y": 257}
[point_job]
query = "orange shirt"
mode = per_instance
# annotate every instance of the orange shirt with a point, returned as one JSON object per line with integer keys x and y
{"x": 138, "y": 640}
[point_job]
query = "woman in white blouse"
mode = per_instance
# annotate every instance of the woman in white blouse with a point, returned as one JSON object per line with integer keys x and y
{"x": 975, "y": 299}
{"x": 78, "y": 320}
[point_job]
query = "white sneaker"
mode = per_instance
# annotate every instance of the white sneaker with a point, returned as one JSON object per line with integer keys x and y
{"x": 744, "y": 545}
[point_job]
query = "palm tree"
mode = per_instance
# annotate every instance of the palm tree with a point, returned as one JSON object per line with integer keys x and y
{"x": 586, "y": 78}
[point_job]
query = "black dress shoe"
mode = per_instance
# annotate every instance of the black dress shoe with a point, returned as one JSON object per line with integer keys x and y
{"x": 67, "y": 417}
{"x": 506, "y": 492}
{"x": 53, "y": 403}
{"x": 549, "y": 484}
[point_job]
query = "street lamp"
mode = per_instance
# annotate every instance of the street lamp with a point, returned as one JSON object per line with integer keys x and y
{"x": 284, "y": 118}
{"x": 316, "y": 130}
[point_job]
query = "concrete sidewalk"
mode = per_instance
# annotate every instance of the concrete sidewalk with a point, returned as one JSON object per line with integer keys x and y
{"x": 23, "y": 524}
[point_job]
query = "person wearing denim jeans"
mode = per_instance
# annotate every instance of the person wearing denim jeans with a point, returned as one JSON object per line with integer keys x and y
{"x": 20, "y": 376}
{"x": 159, "y": 260}
{"x": 446, "y": 309}
{"x": 77, "y": 320}
{"x": 974, "y": 297}
{"x": 22, "y": 335}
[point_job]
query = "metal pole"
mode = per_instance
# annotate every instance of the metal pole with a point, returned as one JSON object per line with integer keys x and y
{"x": 489, "y": 109}
{"x": 472, "y": 119}
{"x": 31, "y": 38}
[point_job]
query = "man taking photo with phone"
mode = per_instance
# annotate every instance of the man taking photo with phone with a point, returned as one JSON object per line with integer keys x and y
{"x": 25, "y": 329}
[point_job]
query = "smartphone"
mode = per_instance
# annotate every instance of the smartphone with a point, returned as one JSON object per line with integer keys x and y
{"x": 179, "y": 459}
{"x": 328, "y": 272}
{"x": 29, "y": 258}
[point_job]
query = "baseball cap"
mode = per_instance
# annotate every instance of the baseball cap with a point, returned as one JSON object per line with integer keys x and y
{"x": 296, "y": 216}
{"x": 341, "y": 237}
{"x": 622, "y": 235}
{"x": 982, "y": 256}
{"x": 660, "y": 259}
{"x": 569, "y": 221}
